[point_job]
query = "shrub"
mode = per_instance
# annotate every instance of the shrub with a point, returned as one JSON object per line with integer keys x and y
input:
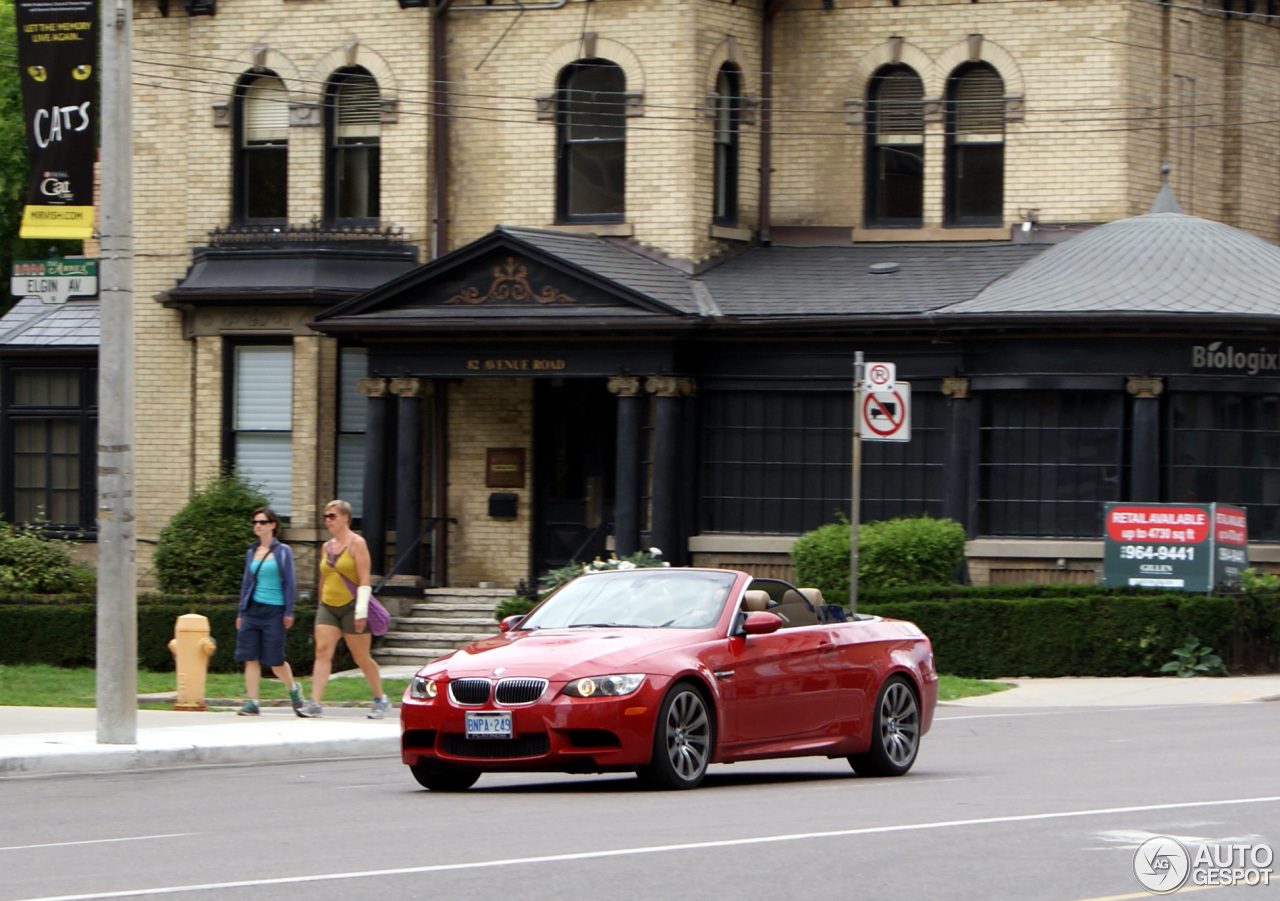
{"x": 202, "y": 548}
{"x": 892, "y": 553}
{"x": 63, "y": 635}
{"x": 516, "y": 605}
{"x": 31, "y": 563}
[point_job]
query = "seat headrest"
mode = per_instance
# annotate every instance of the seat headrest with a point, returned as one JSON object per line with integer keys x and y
{"x": 754, "y": 600}
{"x": 810, "y": 596}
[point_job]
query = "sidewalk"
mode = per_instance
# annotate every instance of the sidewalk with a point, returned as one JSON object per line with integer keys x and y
{"x": 1132, "y": 691}
{"x": 42, "y": 740}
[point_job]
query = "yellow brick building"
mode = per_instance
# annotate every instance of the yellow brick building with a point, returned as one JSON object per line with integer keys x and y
{"x": 294, "y": 154}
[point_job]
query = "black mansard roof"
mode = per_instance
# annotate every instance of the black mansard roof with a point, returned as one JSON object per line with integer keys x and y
{"x": 1164, "y": 269}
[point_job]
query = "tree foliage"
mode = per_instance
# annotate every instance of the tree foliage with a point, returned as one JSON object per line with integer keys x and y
{"x": 201, "y": 550}
{"x": 33, "y": 564}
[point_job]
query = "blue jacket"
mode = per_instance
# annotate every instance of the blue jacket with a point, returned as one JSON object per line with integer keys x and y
{"x": 288, "y": 579}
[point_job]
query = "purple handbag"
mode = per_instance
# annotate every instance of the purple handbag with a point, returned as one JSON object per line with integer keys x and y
{"x": 379, "y": 619}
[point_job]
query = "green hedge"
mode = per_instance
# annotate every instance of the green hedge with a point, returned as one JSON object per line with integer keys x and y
{"x": 63, "y": 635}
{"x": 1103, "y": 635}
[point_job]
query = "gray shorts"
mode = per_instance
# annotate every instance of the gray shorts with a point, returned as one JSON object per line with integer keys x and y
{"x": 343, "y": 617}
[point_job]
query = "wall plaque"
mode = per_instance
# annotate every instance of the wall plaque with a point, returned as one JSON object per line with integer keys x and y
{"x": 504, "y": 467}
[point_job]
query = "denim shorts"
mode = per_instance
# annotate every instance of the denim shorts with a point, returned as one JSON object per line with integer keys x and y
{"x": 261, "y": 634}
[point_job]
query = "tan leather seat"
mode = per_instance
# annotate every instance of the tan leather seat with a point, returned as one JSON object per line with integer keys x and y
{"x": 800, "y": 607}
{"x": 754, "y": 600}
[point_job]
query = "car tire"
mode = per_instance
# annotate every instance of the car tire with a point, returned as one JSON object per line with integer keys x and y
{"x": 683, "y": 741}
{"x": 442, "y": 778}
{"x": 895, "y": 731}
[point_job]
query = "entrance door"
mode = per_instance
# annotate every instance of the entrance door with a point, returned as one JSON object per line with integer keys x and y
{"x": 574, "y": 433}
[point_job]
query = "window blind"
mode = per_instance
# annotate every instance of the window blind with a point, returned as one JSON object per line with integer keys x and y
{"x": 263, "y": 389}
{"x": 266, "y": 459}
{"x": 266, "y": 112}
{"x": 978, "y": 96}
{"x": 899, "y": 104}
{"x": 351, "y": 403}
{"x": 358, "y": 107}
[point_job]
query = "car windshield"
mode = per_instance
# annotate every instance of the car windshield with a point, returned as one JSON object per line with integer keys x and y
{"x": 641, "y": 599}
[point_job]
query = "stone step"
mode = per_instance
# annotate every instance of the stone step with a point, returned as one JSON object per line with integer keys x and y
{"x": 453, "y": 610}
{"x": 409, "y": 656}
{"x": 441, "y": 624}
{"x": 468, "y": 594}
{"x": 400, "y": 638}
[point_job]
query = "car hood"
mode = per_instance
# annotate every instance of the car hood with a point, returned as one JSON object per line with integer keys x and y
{"x": 566, "y": 653}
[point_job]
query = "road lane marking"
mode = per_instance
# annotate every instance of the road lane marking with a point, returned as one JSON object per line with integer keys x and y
{"x": 646, "y": 849}
{"x": 1063, "y": 710}
{"x": 99, "y": 841}
{"x": 1181, "y": 891}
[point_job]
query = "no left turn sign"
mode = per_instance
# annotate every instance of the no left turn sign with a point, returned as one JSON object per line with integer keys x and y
{"x": 886, "y": 415}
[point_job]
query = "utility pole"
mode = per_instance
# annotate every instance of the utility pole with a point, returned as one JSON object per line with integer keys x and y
{"x": 117, "y": 645}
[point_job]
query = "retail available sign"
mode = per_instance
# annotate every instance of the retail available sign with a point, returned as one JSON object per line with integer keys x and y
{"x": 1191, "y": 547}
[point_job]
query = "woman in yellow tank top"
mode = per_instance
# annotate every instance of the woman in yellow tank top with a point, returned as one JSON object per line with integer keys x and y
{"x": 343, "y": 612}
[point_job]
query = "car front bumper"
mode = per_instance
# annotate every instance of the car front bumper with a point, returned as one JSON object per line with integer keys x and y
{"x": 557, "y": 732}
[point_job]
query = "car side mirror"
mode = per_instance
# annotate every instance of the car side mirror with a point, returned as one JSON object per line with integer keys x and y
{"x": 510, "y": 622}
{"x": 761, "y": 622}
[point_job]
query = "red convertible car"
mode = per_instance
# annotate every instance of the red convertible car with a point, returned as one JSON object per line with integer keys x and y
{"x": 665, "y": 671}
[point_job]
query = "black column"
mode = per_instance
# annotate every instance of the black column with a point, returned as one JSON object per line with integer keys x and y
{"x": 408, "y": 485}
{"x": 1144, "y": 448}
{"x": 374, "y": 506}
{"x": 664, "y": 510}
{"x": 626, "y": 500}
{"x": 959, "y": 450}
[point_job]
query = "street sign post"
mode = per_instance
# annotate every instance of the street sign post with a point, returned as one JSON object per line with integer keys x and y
{"x": 881, "y": 412}
{"x": 53, "y": 281}
{"x": 886, "y": 415}
{"x": 1190, "y": 547}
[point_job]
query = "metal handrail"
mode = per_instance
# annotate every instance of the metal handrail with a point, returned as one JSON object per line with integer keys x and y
{"x": 431, "y": 524}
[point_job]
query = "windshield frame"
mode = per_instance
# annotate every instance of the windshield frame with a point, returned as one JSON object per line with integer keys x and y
{"x": 655, "y": 598}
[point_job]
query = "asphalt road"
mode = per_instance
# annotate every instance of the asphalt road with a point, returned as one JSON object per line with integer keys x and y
{"x": 1022, "y": 805}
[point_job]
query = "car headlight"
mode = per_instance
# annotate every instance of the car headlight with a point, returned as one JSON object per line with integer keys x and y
{"x": 604, "y": 686}
{"x": 422, "y": 689}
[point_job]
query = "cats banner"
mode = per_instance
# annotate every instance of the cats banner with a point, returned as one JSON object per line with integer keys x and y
{"x": 57, "y": 57}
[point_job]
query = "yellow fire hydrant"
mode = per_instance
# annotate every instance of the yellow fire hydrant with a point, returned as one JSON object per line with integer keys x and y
{"x": 191, "y": 648}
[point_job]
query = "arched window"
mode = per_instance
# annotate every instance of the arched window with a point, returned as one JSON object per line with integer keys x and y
{"x": 261, "y": 194}
{"x": 975, "y": 147}
{"x": 728, "y": 113}
{"x": 895, "y": 148}
{"x": 591, "y": 142}
{"x": 353, "y": 134}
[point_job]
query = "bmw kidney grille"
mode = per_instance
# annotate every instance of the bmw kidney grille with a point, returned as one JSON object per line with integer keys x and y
{"x": 519, "y": 691}
{"x": 470, "y": 692}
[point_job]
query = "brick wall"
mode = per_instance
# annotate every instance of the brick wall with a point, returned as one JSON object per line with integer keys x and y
{"x": 485, "y": 413}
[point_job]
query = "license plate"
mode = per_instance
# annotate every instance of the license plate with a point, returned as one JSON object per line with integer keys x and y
{"x": 488, "y": 725}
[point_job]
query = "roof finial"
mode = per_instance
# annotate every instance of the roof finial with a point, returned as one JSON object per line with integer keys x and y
{"x": 1165, "y": 201}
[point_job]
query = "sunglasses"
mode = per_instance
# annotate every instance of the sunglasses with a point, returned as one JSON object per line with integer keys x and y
{"x": 262, "y": 522}
{"x": 331, "y": 516}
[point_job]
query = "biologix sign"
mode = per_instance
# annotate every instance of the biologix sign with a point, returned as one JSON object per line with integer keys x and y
{"x": 1193, "y": 547}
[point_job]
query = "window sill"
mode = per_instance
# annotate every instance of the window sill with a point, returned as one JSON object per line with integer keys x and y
{"x": 725, "y": 233}
{"x": 931, "y": 233}
{"x": 603, "y": 229}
